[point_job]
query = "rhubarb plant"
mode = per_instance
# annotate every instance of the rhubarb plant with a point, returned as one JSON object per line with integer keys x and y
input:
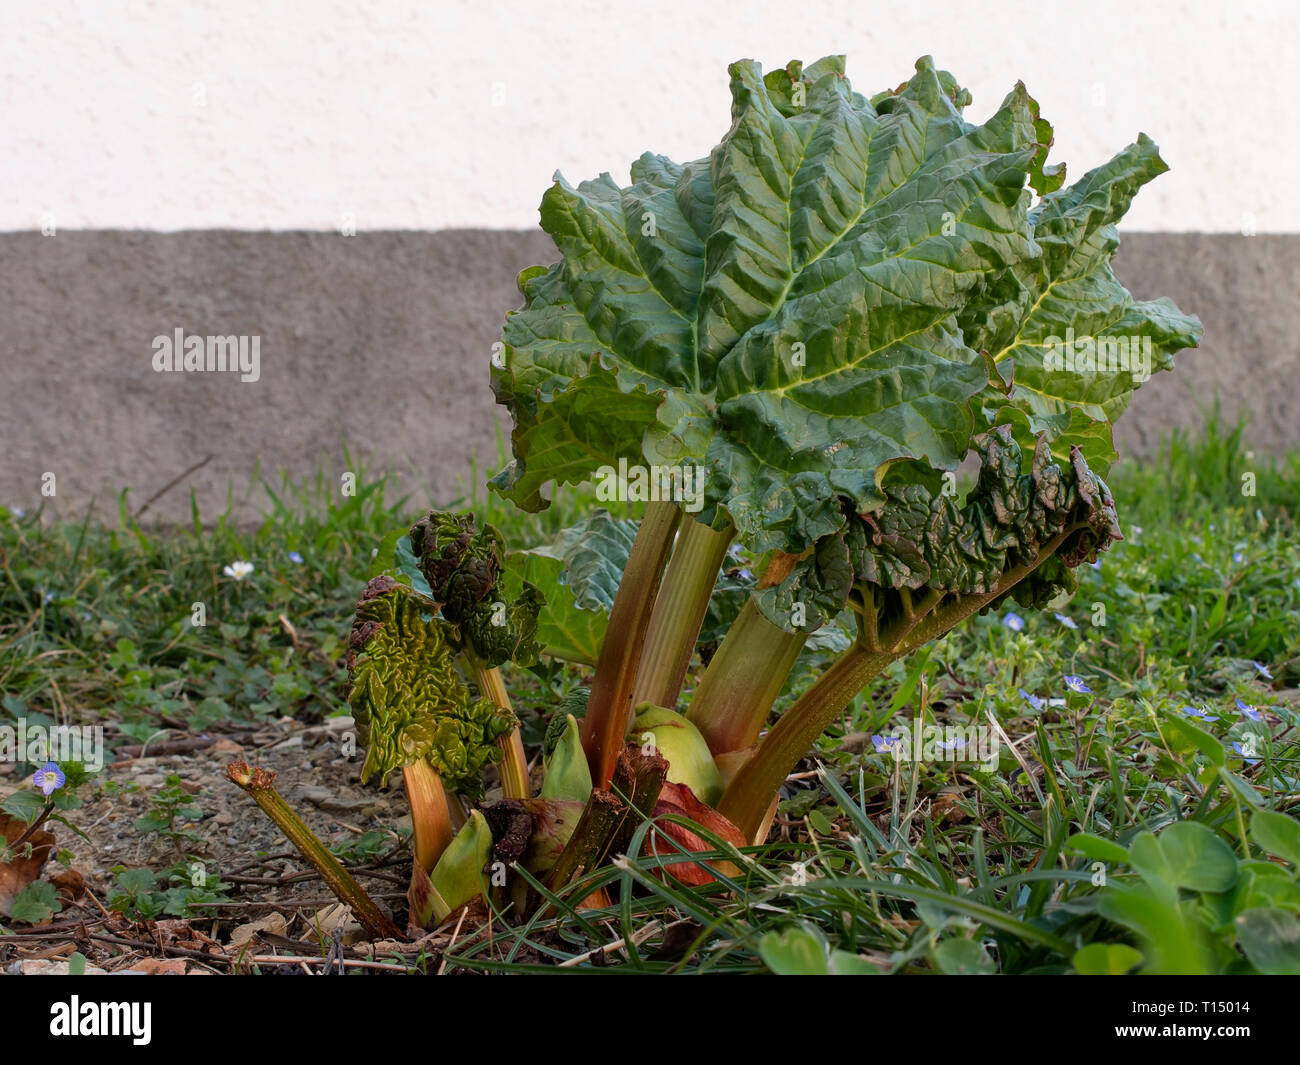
{"x": 787, "y": 348}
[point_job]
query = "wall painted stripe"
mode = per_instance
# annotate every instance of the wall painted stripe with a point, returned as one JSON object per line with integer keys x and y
{"x": 382, "y": 341}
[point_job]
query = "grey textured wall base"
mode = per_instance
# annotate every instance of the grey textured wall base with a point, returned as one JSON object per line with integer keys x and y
{"x": 381, "y": 342}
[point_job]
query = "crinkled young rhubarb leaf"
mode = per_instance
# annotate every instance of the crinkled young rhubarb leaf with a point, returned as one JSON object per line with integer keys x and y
{"x": 463, "y": 567}
{"x": 922, "y": 539}
{"x": 814, "y": 592}
{"x": 460, "y": 561}
{"x": 1062, "y": 433}
{"x": 408, "y": 701}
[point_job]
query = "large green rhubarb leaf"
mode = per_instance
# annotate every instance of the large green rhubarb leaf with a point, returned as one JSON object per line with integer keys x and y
{"x": 784, "y": 313}
{"x": 1064, "y": 329}
{"x": 842, "y": 285}
{"x": 579, "y": 572}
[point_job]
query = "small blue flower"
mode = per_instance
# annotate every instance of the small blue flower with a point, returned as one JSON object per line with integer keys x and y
{"x": 1035, "y": 702}
{"x": 295, "y": 558}
{"x": 1096, "y": 563}
{"x": 745, "y": 574}
{"x": 49, "y": 597}
{"x": 1244, "y": 753}
{"x": 1262, "y": 670}
{"x": 1238, "y": 557}
{"x": 957, "y": 743}
{"x": 1067, "y": 622}
{"x": 1194, "y": 711}
{"x": 1075, "y": 684}
{"x": 18, "y": 512}
{"x": 49, "y": 778}
{"x": 1014, "y": 622}
{"x": 886, "y": 744}
{"x": 1249, "y": 711}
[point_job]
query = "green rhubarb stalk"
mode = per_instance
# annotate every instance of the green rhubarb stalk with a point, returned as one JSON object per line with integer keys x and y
{"x": 260, "y": 784}
{"x": 749, "y": 795}
{"x": 514, "y": 762}
{"x": 747, "y": 798}
{"x": 743, "y": 680}
{"x": 430, "y": 813}
{"x": 514, "y": 767}
{"x": 609, "y": 710}
{"x": 679, "y": 612}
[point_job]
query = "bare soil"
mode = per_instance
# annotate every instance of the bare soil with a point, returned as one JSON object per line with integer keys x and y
{"x": 279, "y": 908}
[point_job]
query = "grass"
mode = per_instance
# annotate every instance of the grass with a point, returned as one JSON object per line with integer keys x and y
{"x": 902, "y": 866}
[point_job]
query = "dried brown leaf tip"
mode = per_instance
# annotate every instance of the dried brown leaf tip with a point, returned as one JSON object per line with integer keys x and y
{"x": 246, "y": 777}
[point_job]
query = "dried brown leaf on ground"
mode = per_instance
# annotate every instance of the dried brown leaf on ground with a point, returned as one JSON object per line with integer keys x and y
{"x": 182, "y": 934}
{"x": 273, "y": 923}
{"x": 159, "y": 967}
{"x": 20, "y": 871}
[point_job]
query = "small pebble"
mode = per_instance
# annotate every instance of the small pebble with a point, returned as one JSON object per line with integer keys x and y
{"x": 316, "y": 795}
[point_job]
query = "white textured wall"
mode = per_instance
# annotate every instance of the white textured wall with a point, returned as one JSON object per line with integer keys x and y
{"x": 177, "y": 114}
